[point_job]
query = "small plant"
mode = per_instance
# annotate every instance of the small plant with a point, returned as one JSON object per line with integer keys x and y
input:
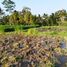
{"x": 9, "y": 29}
{"x": 32, "y": 32}
{"x": 54, "y": 33}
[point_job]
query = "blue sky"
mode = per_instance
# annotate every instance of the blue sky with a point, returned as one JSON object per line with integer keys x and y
{"x": 41, "y": 6}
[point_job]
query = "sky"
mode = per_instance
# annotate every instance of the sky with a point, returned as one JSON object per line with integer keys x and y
{"x": 40, "y": 6}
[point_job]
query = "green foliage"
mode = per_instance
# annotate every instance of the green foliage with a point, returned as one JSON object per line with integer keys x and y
{"x": 21, "y": 19}
{"x": 9, "y": 29}
{"x": 32, "y": 32}
{"x": 1, "y": 13}
{"x": 25, "y": 17}
{"x": 52, "y": 20}
{"x": 61, "y": 15}
{"x": 54, "y": 33}
{"x": 5, "y": 20}
{"x": 9, "y": 5}
{"x": 14, "y": 18}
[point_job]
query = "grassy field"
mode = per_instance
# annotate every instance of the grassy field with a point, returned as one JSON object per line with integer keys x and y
{"x": 35, "y": 30}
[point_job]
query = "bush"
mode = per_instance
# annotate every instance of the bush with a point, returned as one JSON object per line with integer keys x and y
{"x": 30, "y": 26}
{"x": 9, "y": 29}
{"x": 32, "y": 31}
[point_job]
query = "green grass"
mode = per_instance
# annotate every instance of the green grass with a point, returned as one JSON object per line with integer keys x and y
{"x": 32, "y": 30}
{"x": 19, "y": 27}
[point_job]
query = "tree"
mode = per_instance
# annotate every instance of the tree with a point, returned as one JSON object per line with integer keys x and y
{"x": 21, "y": 19}
{"x": 31, "y": 19}
{"x": 39, "y": 20}
{"x": 14, "y": 18}
{"x": 26, "y": 13}
{"x": 1, "y": 16}
{"x": 27, "y": 17}
{"x": 5, "y": 19}
{"x": 26, "y": 9}
{"x": 61, "y": 14}
{"x": 45, "y": 19}
{"x": 34, "y": 19}
{"x": 52, "y": 20}
{"x": 1, "y": 13}
{"x": 9, "y": 5}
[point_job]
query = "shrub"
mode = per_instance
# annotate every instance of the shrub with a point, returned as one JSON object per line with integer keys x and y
{"x": 30, "y": 26}
{"x": 32, "y": 31}
{"x": 9, "y": 29}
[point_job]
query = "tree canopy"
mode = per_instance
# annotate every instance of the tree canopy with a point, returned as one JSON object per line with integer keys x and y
{"x": 26, "y": 17}
{"x": 9, "y": 5}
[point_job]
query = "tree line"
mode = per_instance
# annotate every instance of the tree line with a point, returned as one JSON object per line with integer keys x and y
{"x": 25, "y": 17}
